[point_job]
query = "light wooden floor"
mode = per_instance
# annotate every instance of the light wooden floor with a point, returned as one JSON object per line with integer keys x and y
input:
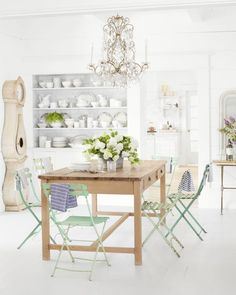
{"x": 204, "y": 268}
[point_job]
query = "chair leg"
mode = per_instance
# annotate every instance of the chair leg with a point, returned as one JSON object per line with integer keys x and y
{"x": 57, "y": 261}
{"x": 196, "y": 221}
{"x": 93, "y": 263}
{"x": 182, "y": 215}
{"x": 29, "y": 235}
{"x": 101, "y": 243}
{"x": 156, "y": 227}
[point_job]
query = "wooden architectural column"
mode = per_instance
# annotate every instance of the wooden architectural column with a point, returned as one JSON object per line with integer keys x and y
{"x": 13, "y": 140}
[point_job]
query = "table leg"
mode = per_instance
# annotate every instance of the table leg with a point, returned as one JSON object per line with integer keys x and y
{"x": 137, "y": 224}
{"x": 94, "y": 204}
{"x": 221, "y": 188}
{"x": 163, "y": 190}
{"x": 45, "y": 226}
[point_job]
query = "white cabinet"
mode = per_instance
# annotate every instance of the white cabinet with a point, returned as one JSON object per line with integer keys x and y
{"x": 85, "y": 101}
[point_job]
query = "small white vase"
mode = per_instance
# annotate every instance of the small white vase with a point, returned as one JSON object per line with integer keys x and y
{"x": 111, "y": 166}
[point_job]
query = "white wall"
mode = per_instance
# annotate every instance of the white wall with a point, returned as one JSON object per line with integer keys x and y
{"x": 62, "y": 44}
{"x": 9, "y": 70}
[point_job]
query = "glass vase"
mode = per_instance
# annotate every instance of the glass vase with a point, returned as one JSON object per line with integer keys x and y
{"x": 111, "y": 166}
{"x": 119, "y": 163}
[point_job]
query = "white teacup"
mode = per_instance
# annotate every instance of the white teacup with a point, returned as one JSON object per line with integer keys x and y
{"x": 95, "y": 123}
{"x": 53, "y": 105}
{"x": 49, "y": 84}
{"x": 81, "y": 123}
{"x": 104, "y": 124}
{"x": 69, "y": 122}
{"x": 114, "y": 123}
{"x": 76, "y": 124}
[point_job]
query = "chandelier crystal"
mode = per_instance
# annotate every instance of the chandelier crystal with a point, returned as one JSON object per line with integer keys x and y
{"x": 118, "y": 65}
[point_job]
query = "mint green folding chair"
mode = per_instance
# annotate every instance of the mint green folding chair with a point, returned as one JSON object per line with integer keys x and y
{"x": 153, "y": 211}
{"x": 184, "y": 203}
{"x": 73, "y": 221}
{"x": 24, "y": 185}
{"x": 43, "y": 165}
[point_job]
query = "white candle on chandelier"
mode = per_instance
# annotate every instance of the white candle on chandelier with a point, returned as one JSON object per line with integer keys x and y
{"x": 91, "y": 54}
{"x": 146, "y": 48}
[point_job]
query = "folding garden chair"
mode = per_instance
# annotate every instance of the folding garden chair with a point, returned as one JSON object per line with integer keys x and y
{"x": 24, "y": 185}
{"x": 183, "y": 204}
{"x": 76, "y": 191}
{"x": 154, "y": 210}
{"x": 43, "y": 165}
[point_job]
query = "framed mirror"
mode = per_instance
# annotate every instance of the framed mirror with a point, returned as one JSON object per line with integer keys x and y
{"x": 227, "y": 109}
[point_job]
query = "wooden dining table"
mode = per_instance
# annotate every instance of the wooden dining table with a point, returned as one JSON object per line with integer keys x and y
{"x": 126, "y": 181}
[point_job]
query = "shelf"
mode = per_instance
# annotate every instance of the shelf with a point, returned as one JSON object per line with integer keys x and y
{"x": 169, "y": 97}
{"x": 78, "y": 88}
{"x": 73, "y": 109}
{"x": 67, "y": 129}
{"x": 78, "y": 108}
{"x": 51, "y": 149}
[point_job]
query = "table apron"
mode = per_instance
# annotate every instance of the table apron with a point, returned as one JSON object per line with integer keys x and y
{"x": 103, "y": 186}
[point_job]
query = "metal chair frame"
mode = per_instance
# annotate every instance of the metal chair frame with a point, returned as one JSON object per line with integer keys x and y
{"x": 77, "y": 190}
{"x": 184, "y": 210}
{"x": 30, "y": 206}
{"x": 155, "y": 209}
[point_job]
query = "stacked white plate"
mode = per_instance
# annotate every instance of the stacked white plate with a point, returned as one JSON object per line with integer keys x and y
{"x": 59, "y": 142}
{"x": 81, "y": 166}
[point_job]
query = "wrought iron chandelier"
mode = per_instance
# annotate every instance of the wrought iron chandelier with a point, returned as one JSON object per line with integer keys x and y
{"x": 118, "y": 65}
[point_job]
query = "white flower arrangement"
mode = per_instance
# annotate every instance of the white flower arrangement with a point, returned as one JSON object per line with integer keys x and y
{"x": 112, "y": 146}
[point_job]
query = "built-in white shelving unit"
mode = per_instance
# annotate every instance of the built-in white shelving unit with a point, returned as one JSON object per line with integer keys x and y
{"x": 43, "y": 86}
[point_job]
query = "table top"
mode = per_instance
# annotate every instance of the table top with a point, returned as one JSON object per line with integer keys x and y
{"x": 224, "y": 162}
{"x": 128, "y": 172}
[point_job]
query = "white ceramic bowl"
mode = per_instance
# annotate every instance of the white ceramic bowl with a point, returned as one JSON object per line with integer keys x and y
{"x": 49, "y": 84}
{"x": 104, "y": 124}
{"x": 59, "y": 139}
{"x": 41, "y": 105}
{"x": 42, "y": 125}
{"x": 56, "y": 124}
{"x": 66, "y": 83}
{"x": 77, "y": 82}
{"x": 42, "y": 84}
{"x": 95, "y": 104}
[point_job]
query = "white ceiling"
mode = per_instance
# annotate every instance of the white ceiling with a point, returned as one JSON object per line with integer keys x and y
{"x": 24, "y": 8}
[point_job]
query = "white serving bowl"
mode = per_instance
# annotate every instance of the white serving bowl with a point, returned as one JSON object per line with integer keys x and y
{"x": 56, "y": 124}
{"x": 42, "y": 125}
{"x": 66, "y": 83}
{"x": 59, "y": 138}
{"x": 77, "y": 82}
{"x": 104, "y": 124}
{"x": 69, "y": 122}
{"x": 95, "y": 104}
{"x": 49, "y": 84}
{"x": 42, "y": 84}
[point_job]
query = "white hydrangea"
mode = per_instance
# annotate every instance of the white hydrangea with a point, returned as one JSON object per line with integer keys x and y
{"x": 99, "y": 145}
{"x": 119, "y": 147}
{"x": 112, "y": 141}
{"x": 107, "y": 154}
{"x": 115, "y": 158}
{"x": 119, "y": 137}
